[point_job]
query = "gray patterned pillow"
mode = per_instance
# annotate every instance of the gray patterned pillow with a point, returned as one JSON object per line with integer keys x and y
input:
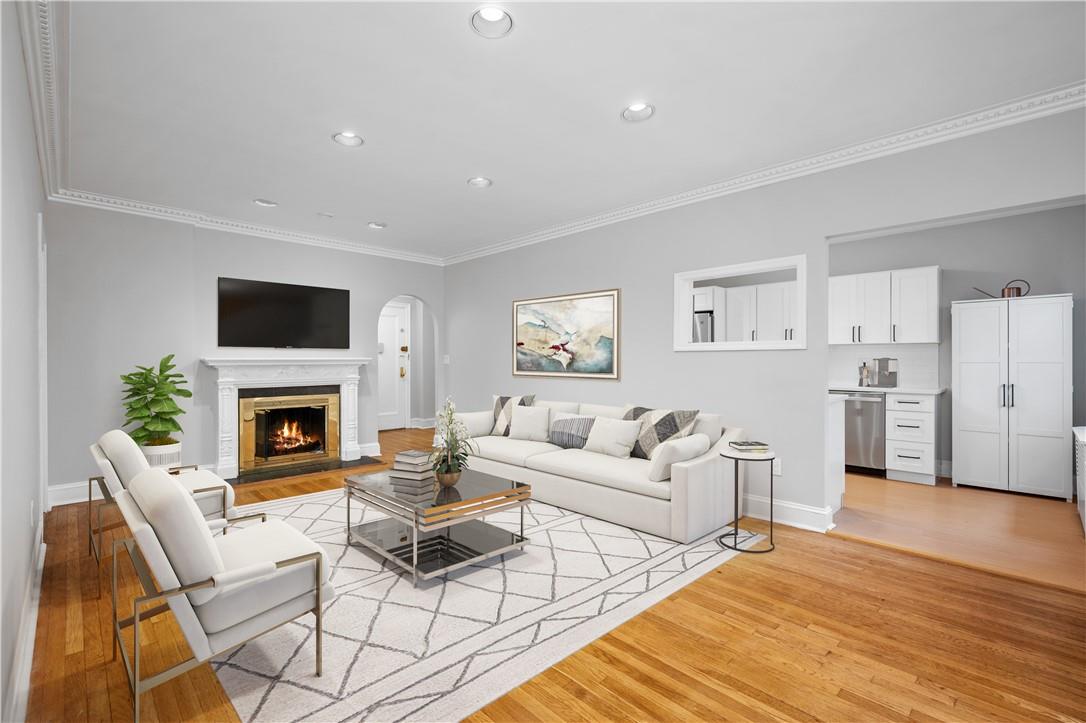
{"x": 570, "y": 431}
{"x": 503, "y": 412}
{"x": 659, "y": 425}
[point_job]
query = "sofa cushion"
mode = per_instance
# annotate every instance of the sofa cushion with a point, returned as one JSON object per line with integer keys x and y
{"x": 532, "y": 423}
{"x": 564, "y": 407}
{"x": 602, "y": 410}
{"x": 267, "y": 542}
{"x": 659, "y": 425}
{"x": 570, "y": 431}
{"x": 630, "y": 474}
{"x": 503, "y": 412}
{"x": 675, "y": 450}
{"x": 614, "y": 437}
{"x": 510, "y": 451}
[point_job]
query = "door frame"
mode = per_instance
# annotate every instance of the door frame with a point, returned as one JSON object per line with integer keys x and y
{"x": 404, "y": 304}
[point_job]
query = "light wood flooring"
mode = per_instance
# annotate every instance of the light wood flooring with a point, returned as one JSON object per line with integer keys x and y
{"x": 1034, "y": 538}
{"x": 822, "y": 628}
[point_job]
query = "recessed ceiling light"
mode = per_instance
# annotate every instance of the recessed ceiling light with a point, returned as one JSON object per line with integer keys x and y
{"x": 480, "y": 182}
{"x": 347, "y": 138}
{"x": 638, "y": 112}
{"x": 377, "y": 225}
{"x": 492, "y": 22}
{"x": 325, "y": 214}
{"x": 264, "y": 202}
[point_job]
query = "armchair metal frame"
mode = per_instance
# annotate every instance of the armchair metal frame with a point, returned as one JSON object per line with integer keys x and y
{"x": 152, "y": 594}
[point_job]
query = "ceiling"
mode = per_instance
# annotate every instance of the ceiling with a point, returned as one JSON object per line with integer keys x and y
{"x": 202, "y": 107}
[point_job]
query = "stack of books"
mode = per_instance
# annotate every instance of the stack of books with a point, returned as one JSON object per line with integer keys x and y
{"x": 412, "y": 475}
{"x": 750, "y": 446}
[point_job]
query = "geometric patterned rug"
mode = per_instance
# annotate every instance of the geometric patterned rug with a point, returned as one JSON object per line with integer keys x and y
{"x": 443, "y": 650}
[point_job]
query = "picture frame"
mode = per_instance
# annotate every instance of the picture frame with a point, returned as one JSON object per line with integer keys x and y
{"x": 572, "y": 335}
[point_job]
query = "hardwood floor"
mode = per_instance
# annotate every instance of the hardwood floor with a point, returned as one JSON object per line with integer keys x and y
{"x": 1033, "y": 538}
{"x": 822, "y": 628}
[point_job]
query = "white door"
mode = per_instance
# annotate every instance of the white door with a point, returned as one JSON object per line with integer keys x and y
{"x": 392, "y": 366}
{"x": 1039, "y": 397}
{"x": 771, "y": 324}
{"x": 740, "y": 313}
{"x": 914, "y": 305}
{"x": 871, "y": 305}
{"x": 979, "y": 386}
{"x": 842, "y": 326}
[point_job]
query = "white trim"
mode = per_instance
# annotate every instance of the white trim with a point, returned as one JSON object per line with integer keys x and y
{"x": 39, "y": 25}
{"x": 43, "y": 370}
{"x": 959, "y": 220}
{"x": 370, "y": 449}
{"x": 684, "y": 284}
{"x": 23, "y": 660}
{"x": 421, "y": 422}
{"x": 793, "y": 514}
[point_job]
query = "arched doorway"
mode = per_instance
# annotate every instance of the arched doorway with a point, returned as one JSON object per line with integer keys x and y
{"x": 407, "y": 385}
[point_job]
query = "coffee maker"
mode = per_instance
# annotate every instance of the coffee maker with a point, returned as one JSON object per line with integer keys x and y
{"x": 879, "y": 372}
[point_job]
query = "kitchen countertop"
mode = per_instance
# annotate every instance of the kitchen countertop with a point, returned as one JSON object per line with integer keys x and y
{"x": 934, "y": 392}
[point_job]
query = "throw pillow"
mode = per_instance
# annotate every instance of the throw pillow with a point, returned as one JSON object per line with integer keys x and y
{"x": 675, "y": 450}
{"x": 570, "y": 431}
{"x": 659, "y": 425}
{"x": 503, "y": 412}
{"x": 613, "y": 437}
{"x": 531, "y": 423}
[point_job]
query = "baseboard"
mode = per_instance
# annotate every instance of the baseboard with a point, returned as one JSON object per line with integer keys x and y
{"x": 420, "y": 423}
{"x": 19, "y": 678}
{"x": 69, "y": 492}
{"x": 793, "y": 514}
{"x": 370, "y": 449}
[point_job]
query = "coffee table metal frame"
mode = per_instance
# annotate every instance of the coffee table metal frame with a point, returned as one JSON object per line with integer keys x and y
{"x": 432, "y": 519}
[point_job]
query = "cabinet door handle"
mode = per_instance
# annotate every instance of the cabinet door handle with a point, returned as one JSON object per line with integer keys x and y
{"x": 752, "y": 334}
{"x": 907, "y": 456}
{"x": 1003, "y": 395}
{"x": 1012, "y": 395}
{"x": 860, "y": 333}
{"x": 893, "y": 332}
{"x": 908, "y": 426}
{"x": 906, "y": 401}
{"x": 853, "y": 333}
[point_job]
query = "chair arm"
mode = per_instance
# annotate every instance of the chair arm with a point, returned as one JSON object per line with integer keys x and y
{"x": 181, "y": 467}
{"x": 249, "y": 573}
{"x": 479, "y": 424}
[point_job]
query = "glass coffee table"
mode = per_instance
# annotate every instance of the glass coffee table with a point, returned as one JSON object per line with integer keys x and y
{"x": 442, "y": 532}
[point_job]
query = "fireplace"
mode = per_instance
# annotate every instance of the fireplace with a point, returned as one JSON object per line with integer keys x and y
{"x": 281, "y": 427}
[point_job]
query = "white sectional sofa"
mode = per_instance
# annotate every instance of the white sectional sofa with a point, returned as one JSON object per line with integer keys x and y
{"x": 697, "y": 499}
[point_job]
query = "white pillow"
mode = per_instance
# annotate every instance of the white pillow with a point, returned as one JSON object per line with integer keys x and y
{"x": 532, "y": 423}
{"x": 675, "y": 450}
{"x": 613, "y": 437}
{"x": 602, "y": 410}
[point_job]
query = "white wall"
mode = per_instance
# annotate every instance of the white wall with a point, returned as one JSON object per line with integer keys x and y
{"x": 778, "y": 396}
{"x": 1047, "y": 248}
{"x": 23, "y": 198}
{"x": 125, "y": 290}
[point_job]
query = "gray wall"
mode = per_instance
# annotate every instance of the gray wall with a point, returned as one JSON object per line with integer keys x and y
{"x": 125, "y": 290}
{"x": 1048, "y": 249}
{"x": 778, "y": 396}
{"x": 20, "y": 488}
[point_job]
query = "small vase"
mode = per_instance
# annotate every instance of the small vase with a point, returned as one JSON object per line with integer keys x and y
{"x": 448, "y": 479}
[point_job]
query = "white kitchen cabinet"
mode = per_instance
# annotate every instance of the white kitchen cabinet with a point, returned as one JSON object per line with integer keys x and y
{"x": 910, "y": 437}
{"x": 914, "y": 305}
{"x": 1012, "y": 394}
{"x": 775, "y": 311}
{"x": 885, "y": 307}
{"x": 740, "y": 313}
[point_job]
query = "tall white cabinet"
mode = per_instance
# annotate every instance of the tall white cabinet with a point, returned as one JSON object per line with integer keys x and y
{"x": 1012, "y": 394}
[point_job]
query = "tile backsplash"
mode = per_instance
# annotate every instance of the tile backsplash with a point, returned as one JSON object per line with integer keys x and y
{"x": 918, "y": 364}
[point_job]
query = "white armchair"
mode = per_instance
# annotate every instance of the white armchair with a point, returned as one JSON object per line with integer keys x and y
{"x": 224, "y": 590}
{"x": 119, "y": 459}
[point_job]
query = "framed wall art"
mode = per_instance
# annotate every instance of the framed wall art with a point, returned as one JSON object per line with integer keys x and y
{"x": 576, "y": 335}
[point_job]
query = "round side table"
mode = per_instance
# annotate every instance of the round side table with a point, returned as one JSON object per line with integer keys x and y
{"x": 737, "y": 456}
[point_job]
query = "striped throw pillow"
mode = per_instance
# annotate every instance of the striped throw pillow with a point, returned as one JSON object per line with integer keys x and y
{"x": 570, "y": 431}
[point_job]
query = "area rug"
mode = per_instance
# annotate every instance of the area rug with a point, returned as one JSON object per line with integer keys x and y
{"x": 442, "y": 650}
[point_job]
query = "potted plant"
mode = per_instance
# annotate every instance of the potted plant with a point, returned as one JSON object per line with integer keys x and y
{"x": 452, "y": 445}
{"x": 149, "y": 404}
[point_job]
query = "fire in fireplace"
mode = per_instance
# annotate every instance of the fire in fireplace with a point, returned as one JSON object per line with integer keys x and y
{"x": 285, "y": 427}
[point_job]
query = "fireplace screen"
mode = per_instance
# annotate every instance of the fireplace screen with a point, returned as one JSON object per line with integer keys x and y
{"x": 287, "y": 429}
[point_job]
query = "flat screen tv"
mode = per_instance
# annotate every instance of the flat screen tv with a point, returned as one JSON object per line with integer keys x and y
{"x": 265, "y": 314}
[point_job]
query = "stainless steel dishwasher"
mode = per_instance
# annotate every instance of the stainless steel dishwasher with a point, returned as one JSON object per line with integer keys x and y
{"x": 865, "y": 429}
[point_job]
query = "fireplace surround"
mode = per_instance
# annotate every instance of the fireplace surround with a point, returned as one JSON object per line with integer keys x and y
{"x": 235, "y": 376}
{"x": 287, "y": 426}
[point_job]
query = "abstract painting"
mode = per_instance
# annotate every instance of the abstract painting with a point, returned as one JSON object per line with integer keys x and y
{"x": 567, "y": 336}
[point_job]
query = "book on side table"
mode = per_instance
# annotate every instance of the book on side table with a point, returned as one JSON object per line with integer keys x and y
{"x": 750, "y": 446}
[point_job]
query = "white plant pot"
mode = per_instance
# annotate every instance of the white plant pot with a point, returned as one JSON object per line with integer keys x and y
{"x": 162, "y": 455}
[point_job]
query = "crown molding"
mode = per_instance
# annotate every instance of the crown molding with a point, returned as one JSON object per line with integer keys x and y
{"x": 41, "y": 20}
{"x": 1021, "y": 110}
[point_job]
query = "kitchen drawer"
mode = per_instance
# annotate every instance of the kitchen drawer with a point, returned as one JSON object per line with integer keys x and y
{"x": 910, "y": 403}
{"x": 910, "y": 426}
{"x": 917, "y": 457}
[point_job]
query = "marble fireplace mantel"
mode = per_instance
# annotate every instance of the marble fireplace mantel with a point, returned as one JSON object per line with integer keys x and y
{"x": 243, "y": 373}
